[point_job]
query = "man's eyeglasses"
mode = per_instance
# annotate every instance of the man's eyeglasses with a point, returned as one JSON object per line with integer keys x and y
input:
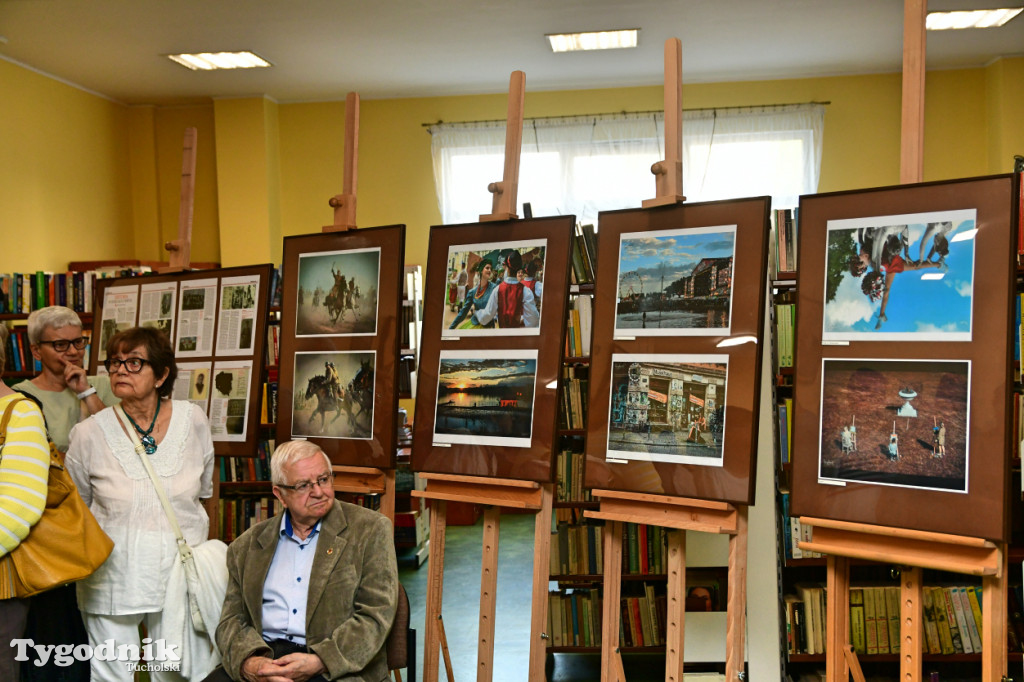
{"x": 133, "y": 365}
{"x": 324, "y": 481}
{"x": 61, "y": 345}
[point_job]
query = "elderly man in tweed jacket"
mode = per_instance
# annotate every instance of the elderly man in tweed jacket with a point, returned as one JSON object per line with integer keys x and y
{"x": 312, "y": 591}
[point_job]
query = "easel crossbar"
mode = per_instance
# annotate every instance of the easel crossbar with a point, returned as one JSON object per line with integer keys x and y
{"x": 668, "y": 512}
{"x": 493, "y": 491}
{"x": 366, "y": 480}
{"x": 979, "y": 557}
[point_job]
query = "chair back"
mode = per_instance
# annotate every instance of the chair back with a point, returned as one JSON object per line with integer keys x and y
{"x": 397, "y": 644}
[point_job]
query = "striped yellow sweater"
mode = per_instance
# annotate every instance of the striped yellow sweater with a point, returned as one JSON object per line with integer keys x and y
{"x": 24, "y": 467}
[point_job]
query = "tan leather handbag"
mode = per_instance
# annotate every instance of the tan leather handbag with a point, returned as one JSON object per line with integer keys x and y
{"x": 66, "y": 545}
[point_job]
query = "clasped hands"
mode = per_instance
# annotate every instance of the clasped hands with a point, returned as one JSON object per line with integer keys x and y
{"x": 297, "y": 667}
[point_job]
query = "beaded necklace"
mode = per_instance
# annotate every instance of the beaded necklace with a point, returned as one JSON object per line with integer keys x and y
{"x": 147, "y": 440}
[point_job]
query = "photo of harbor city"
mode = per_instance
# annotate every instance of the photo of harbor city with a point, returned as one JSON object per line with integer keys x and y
{"x": 675, "y": 282}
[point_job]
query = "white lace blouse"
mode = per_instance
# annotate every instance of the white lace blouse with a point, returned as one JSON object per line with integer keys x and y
{"x": 114, "y": 484}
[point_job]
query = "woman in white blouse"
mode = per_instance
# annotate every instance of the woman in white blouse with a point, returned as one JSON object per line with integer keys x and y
{"x": 130, "y": 587}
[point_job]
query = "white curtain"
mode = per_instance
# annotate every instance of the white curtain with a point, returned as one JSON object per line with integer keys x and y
{"x": 585, "y": 164}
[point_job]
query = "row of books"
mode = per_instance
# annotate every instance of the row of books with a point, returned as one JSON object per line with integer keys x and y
{"x": 268, "y": 409}
{"x": 644, "y": 549}
{"x": 785, "y": 324}
{"x": 19, "y": 352}
{"x": 276, "y": 287}
{"x": 570, "y": 478}
{"x": 793, "y": 532}
{"x": 574, "y": 385}
{"x": 21, "y": 293}
{"x": 247, "y": 469}
{"x": 785, "y": 223}
{"x": 643, "y": 619}
{"x": 579, "y": 324}
{"x": 273, "y": 345}
{"x": 577, "y": 550}
{"x": 235, "y": 515}
{"x": 584, "y": 254}
{"x": 574, "y": 618}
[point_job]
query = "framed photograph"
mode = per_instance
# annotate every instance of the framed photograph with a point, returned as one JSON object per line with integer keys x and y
{"x": 675, "y": 282}
{"x": 485, "y": 397}
{"x": 216, "y": 321}
{"x": 494, "y": 289}
{"x": 900, "y": 277}
{"x": 676, "y": 365}
{"x": 668, "y": 408}
{"x": 885, "y": 432}
{"x": 338, "y": 387}
{"x": 491, "y": 351}
{"x": 333, "y": 396}
{"x": 337, "y": 293}
{"x": 895, "y": 423}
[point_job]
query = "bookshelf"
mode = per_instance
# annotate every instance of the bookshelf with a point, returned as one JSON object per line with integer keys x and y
{"x": 951, "y": 625}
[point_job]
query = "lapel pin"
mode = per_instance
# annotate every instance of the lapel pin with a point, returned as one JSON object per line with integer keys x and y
{"x": 330, "y": 550}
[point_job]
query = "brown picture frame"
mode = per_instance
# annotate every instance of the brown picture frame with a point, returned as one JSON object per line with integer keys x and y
{"x": 371, "y": 441}
{"x": 982, "y": 509}
{"x": 733, "y": 480}
{"x": 254, "y": 355}
{"x": 533, "y": 459}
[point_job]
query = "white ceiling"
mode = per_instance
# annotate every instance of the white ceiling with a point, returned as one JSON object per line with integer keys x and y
{"x": 322, "y": 49}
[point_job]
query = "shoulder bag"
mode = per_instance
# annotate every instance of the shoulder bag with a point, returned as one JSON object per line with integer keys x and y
{"x": 66, "y": 545}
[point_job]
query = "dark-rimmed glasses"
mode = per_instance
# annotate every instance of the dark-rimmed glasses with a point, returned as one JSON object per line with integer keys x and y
{"x": 62, "y": 345}
{"x": 132, "y": 365}
{"x": 324, "y": 481}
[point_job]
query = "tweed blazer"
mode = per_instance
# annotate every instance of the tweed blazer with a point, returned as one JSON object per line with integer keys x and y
{"x": 353, "y": 592}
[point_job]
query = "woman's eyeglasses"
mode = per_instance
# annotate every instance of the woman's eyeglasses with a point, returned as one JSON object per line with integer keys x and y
{"x": 62, "y": 345}
{"x": 133, "y": 365}
{"x": 324, "y": 481}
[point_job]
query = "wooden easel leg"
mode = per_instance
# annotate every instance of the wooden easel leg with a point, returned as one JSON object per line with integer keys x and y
{"x": 435, "y": 588}
{"x": 837, "y": 624}
{"x": 676, "y": 608}
{"x": 911, "y": 624}
{"x": 612, "y": 538}
{"x": 387, "y": 499}
{"x": 541, "y": 561}
{"x": 488, "y": 590}
{"x": 444, "y": 651}
{"x": 993, "y": 612}
{"x": 736, "y": 610}
{"x": 854, "y": 663}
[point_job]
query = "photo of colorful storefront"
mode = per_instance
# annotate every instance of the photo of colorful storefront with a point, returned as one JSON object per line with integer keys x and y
{"x": 666, "y": 407}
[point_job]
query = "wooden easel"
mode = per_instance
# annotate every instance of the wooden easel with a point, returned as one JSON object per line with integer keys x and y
{"x": 676, "y": 513}
{"x": 914, "y": 550}
{"x": 352, "y": 479}
{"x": 680, "y": 515}
{"x": 181, "y": 248}
{"x": 493, "y": 493}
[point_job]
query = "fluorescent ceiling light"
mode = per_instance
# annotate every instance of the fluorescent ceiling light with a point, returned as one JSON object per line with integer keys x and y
{"x": 208, "y": 61}
{"x": 596, "y": 40}
{"x": 982, "y": 18}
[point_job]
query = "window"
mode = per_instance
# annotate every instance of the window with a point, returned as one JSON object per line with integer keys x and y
{"x": 585, "y": 164}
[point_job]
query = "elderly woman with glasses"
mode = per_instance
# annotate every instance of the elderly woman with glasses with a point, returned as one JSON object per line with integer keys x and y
{"x": 132, "y": 587}
{"x": 68, "y": 396}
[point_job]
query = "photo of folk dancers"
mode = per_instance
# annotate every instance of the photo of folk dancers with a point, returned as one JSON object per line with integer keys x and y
{"x": 900, "y": 278}
{"x": 494, "y": 289}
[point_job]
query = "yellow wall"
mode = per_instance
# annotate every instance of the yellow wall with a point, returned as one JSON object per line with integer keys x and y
{"x": 76, "y": 171}
{"x": 65, "y": 191}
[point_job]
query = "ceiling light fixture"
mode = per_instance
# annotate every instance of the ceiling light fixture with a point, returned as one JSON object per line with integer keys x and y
{"x": 982, "y": 18}
{"x": 595, "y": 40}
{"x": 209, "y": 61}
